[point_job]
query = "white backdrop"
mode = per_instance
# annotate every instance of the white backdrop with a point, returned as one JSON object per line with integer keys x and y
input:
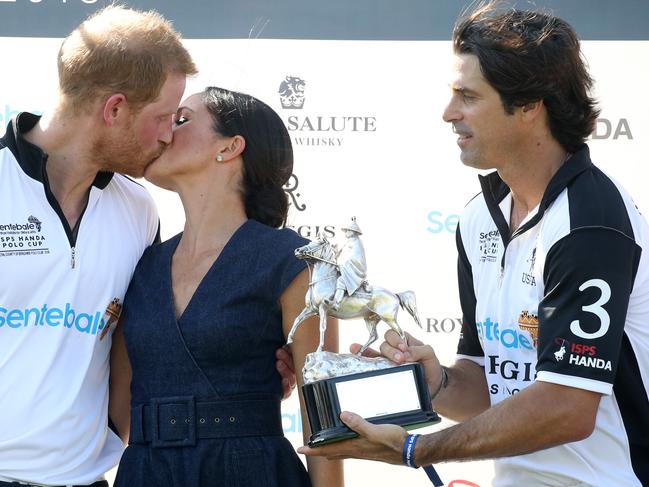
{"x": 397, "y": 171}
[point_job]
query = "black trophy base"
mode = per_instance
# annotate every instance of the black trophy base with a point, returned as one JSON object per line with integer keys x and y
{"x": 398, "y": 395}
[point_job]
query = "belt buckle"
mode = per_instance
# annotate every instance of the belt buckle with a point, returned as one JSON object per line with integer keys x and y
{"x": 189, "y": 420}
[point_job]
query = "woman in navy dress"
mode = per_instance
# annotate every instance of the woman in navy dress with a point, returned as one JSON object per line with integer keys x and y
{"x": 207, "y": 309}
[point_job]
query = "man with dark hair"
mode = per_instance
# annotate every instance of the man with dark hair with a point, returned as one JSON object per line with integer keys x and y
{"x": 552, "y": 371}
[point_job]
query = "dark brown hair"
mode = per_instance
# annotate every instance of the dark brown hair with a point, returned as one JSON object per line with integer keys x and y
{"x": 267, "y": 156}
{"x": 529, "y": 56}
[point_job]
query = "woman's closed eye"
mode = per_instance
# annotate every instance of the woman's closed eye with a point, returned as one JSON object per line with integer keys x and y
{"x": 180, "y": 120}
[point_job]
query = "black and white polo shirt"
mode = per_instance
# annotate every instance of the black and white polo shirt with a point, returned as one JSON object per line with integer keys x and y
{"x": 564, "y": 299}
{"x": 60, "y": 295}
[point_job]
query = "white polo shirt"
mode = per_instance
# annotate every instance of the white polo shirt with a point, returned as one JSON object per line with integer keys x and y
{"x": 56, "y": 288}
{"x": 565, "y": 299}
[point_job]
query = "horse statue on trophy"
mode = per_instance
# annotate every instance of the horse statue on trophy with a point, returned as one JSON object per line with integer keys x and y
{"x": 372, "y": 303}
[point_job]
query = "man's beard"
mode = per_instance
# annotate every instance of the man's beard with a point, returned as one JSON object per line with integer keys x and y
{"x": 124, "y": 154}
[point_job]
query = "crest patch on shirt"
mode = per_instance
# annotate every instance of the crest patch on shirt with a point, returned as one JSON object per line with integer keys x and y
{"x": 111, "y": 315}
{"x": 529, "y": 322}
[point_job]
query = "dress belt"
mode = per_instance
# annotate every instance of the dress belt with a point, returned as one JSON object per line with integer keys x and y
{"x": 180, "y": 421}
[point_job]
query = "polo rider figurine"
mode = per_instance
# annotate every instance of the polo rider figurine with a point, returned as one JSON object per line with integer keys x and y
{"x": 352, "y": 265}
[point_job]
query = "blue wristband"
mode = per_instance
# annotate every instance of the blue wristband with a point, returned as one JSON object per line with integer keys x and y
{"x": 409, "y": 460}
{"x": 409, "y": 451}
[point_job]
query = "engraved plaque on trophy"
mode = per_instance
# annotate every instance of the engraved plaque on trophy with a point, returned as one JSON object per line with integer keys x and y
{"x": 379, "y": 390}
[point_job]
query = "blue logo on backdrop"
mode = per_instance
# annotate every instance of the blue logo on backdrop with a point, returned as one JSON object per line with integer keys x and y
{"x": 45, "y": 316}
{"x": 7, "y": 114}
{"x": 292, "y": 422}
{"x": 441, "y": 222}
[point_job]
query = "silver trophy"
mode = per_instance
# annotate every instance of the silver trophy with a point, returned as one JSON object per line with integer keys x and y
{"x": 375, "y": 388}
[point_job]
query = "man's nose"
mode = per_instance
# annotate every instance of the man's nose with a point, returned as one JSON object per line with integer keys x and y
{"x": 451, "y": 113}
{"x": 166, "y": 133}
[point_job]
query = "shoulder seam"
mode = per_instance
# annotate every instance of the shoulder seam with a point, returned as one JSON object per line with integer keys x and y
{"x": 585, "y": 228}
{"x": 610, "y": 192}
{"x": 600, "y": 227}
{"x": 474, "y": 197}
{"x": 132, "y": 180}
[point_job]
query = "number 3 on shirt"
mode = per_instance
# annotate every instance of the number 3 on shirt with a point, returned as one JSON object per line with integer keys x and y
{"x": 596, "y": 309}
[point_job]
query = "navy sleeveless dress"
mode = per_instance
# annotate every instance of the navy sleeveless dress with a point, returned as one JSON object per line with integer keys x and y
{"x": 205, "y": 407}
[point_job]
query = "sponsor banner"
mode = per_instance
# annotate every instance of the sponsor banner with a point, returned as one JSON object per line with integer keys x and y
{"x": 369, "y": 142}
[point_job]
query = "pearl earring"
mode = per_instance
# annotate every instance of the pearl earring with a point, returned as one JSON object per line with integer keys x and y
{"x": 219, "y": 158}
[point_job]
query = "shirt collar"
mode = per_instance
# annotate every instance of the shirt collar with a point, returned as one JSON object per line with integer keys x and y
{"x": 30, "y": 157}
{"x": 494, "y": 190}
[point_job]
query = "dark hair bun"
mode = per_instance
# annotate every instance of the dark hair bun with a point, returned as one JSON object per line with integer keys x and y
{"x": 268, "y": 205}
{"x": 268, "y": 154}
